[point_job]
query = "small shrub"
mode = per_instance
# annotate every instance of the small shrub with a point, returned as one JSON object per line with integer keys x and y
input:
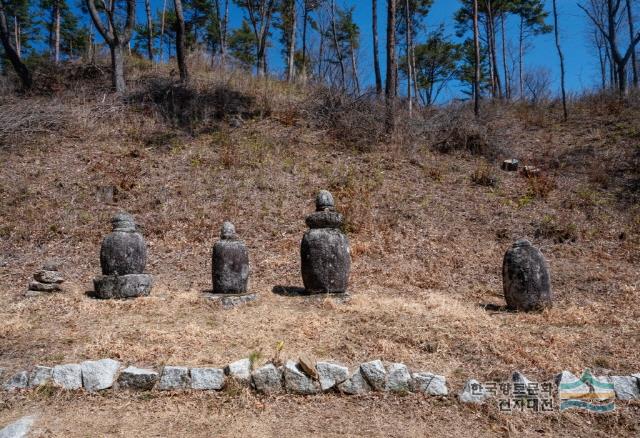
{"x": 483, "y": 176}
{"x": 525, "y": 200}
{"x": 357, "y": 122}
{"x": 559, "y": 231}
{"x": 434, "y": 173}
{"x": 539, "y": 186}
{"x": 255, "y": 358}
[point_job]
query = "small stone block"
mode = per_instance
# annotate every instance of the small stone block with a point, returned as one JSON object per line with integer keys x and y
{"x": 473, "y": 392}
{"x": 398, "y": 378}
{"x": 39, "y": 376}
{"x": 18, "y": 429}
{"x": 626, "y": 387}
{"x": 239, "y": 370}
{"x": 356, "y": 384}
{"x": 17, "y": 381}
{"x": 49, "y": 277}
{"x": 44, "y": 287}
{"x": 428, "y": 383}
{"x": 174, "y": 378}
{"x": 268, "y": 379}
{"x": 308, "y": 365}
{"x": 138, "y": 378}
{"x": 510, "y": 165}
{"x": 99, "y": 374}
{"x": 375, "y": 374}
{"x": 298, "y": 382}
{"x": 207, "y": 378}
{"x": 67, "y": 376}
{"x": 331, "y": 374}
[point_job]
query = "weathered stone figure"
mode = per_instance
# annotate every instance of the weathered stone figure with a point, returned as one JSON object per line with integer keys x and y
{"x": 123, "y": 257}
{"x": 230, "y": 262}
{"x": 325, "y": 254}
{"x": 525, "y": 277}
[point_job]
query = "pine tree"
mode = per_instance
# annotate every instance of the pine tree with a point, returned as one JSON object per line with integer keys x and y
{"x": 242, "y": 43}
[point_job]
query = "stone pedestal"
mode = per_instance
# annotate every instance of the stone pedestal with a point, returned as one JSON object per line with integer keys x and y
{"x": 324, "y": 251}
{"x": 123, "y": 257}
{"x": 123, "y": 286}
{"x": 230, "y": 263}
{"x": 525, "y": 276}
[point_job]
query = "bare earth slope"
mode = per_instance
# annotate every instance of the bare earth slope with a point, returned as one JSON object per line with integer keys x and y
{"x": 427, "y": 247}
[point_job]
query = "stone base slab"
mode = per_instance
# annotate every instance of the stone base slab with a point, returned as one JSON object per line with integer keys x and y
{"x": 123, "y": 286}
{"x": 229, "y": 301}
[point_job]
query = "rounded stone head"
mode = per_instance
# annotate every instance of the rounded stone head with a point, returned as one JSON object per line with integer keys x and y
{"x": 324, "y": 201}
{"x": 521, "y": 243}
{"x": 228, "y": 231}
{"x": 123, "y": 222}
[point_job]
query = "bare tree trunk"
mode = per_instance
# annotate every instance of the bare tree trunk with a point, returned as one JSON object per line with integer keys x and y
{"x": 162, "y": 20}
{"x": 492, "y": 74}
{"x": 390, "y": 89}
{"x": 305, "y": 19}
{"x": 56, "y": 34}
{"x": 407, "y": 8}
{"x": 521, "y": 59}
{"x": 335, "y": 41}
{"x": 354, "y": 68}
{"x": 416, "y": 93}
{"x": 91, "y": 55}
{"x": 16, "y": 36}
{"x": 561, "y": 56}
{"x": 493, "y": 51}
{"x": 507, "y": 84}
{"x": 634, "y": 62}
{"x": 321, "y": 53}
{"x": 10, "y": 52}
{"x": 180, "y": 45}
{"x": 147, "y": 5}
{"x": 222, "y": 29}
{"x": 376, "y": 55}
{"x": 292, "y": 44}
{"x": 603, "y": 67}
{"x": 476, "y": 76}
{"x": 117, "y": 71}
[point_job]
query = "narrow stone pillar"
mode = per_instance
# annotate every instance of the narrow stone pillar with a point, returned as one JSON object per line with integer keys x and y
{"x": 525, "y": 277}
{"x": 123, "y": 257}
{"x": 324, "y": 251}
{"x": 230, "y": 263}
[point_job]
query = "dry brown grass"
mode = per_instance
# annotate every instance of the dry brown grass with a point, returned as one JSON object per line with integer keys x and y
{"x": 427, "y": 251}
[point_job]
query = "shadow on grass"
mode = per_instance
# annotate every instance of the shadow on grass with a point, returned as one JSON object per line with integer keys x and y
{"x": 191, "y": 108}
{"x": 490, "y": 307}
{"x": 289, "y": 291}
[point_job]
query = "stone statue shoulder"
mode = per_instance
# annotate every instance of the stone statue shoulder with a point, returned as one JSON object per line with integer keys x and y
{"x": 324, "y": 219}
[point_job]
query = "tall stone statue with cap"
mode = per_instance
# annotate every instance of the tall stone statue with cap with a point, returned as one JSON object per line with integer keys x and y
{"x": 230, "y": 263}
{"x": 324, "y": 251}
{"x": 123, "y": 257}
{"x": 525, "y": 277}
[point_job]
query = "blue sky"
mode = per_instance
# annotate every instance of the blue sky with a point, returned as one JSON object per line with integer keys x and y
{"x": 581, "y": 62}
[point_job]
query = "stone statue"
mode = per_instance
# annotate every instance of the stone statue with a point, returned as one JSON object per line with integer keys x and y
{"x": 525, "y": 277}
{"x": 325, "y": 254}
{"x": 123, "y": 257}
{"x": 230, "y": 263}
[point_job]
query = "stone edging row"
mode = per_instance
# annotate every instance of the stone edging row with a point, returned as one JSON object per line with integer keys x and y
{"x": 297, "y": 377}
